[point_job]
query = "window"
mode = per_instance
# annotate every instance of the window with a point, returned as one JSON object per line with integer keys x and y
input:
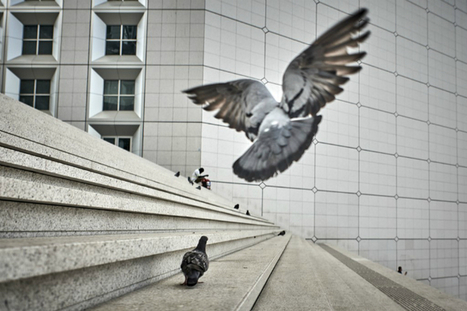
{"x": 35, "y": 93}
{"x": 119, "y": 95}
{"x": 122, "y": 142}
{"x": 38, "y": 39}
{"x": 121, "y": 40}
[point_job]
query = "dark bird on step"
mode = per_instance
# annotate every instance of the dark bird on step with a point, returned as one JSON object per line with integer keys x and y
{"x": 282, "y": 131}
{"x": 282, "y": 232}
{"x": 248, "y": 213}
{"x": 195, "y": 263}
{"x": 237, "y": 206}
{"x": 177, "y": 174}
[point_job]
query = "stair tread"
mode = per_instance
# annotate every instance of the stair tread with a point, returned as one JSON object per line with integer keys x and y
{"x": 314, "y": 282}
{"x": 232, "y": 282}
{"x": 28, "y": 257}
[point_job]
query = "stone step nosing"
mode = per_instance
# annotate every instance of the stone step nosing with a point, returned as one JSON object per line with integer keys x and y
{"x": 28, "y": 257}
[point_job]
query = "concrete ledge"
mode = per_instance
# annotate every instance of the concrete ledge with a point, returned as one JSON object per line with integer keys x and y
{"x": 84, "y": 221}
{"x": 46, "y": 220}
{"x": 233, "y": 282}
{"x": 83, "y": 288}
{"x": 430, "y": 293}
{"x": 25, "y": 186}
{"x": 29, "y": 257}
{"x": 30, "y": 131}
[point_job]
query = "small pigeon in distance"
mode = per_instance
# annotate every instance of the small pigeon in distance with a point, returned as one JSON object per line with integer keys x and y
{"x": 282, "y": 131}
{"x": 248, "y": 212}
{"x": 237, "y": 206}
{"x": 195, "y": 263}
{"x": 177, "y": 174}
{"x": 282, "y": 232}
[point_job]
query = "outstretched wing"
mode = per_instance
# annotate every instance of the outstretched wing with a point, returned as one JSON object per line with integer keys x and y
{"x": 242, "y": 104}
{"x": 314, "y": 77}
{"x": 281, "y": 142}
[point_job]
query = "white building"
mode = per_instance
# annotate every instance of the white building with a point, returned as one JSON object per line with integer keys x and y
{"x": 387, "y": 174}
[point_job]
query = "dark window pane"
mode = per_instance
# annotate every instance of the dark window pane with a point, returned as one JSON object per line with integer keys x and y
{"x": 42, "y": 102}
{"x": 28, "y": 100}
{"x": 110, "y": 103}
{"x": 129, "y": 48}
{"x": 45, "y": 47}
{"x": 112, "y": 48}
{"x": 46, "y": 32}
{"x": 110, "y": 140}
{"x": 30, "y": 32}
{"x": 127, "y": 87}
{"x": 129, "y": 32}
{"x": 124, "y": 143}
{"x": 127, "y": 103}
{"x": 113, "y": 32}
{"x": 29, "y": 47}
{"x": 43, "y": 87}
{"x": 110, "y": 87}
{"x": 26, "y": 87}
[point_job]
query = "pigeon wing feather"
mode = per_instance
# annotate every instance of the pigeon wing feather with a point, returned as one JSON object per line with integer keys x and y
{"x": 279, "y": 144}
{"x": 195, "y": 260}
{"x": 242, "y": 104}
{"x": 314, "y": 77}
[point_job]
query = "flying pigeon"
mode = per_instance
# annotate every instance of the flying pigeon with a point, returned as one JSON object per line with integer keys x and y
{"x": 282, "y": 131}
{"x": 195, "y": 263}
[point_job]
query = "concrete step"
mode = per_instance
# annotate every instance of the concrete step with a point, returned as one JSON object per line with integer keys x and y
{"x": 232, "y": 282}
{"x": 354, "y": 293}
{"x": 58, "y": 194}
{"x": 83, "y": 221}
{"x": 413, "y": 295}
{"x": 72, "y": 273}
{"x": 307, "y": 279}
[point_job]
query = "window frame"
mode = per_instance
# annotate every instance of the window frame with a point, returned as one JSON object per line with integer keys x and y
{"x": 121, "y": 40}
{"x": 34, "y": 94}
{"x": 38, "y": 40}
{"x": 119, "y": 95}
{"x": 117, "y": 141}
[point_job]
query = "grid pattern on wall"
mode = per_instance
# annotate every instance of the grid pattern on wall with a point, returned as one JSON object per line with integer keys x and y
{"x": 387, "y": 173}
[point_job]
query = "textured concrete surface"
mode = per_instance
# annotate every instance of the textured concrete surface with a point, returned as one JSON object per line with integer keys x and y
{"x": 307, "y": 279}
{"x": 40, "y": 220}
{"x": 439, "y": 298}
{"x": 29, "y": 257}
{"x": 39, "y": 135}
{"x": 83, "y": 288}
{"x": 83, "y": 221}
{"x": 231, "y": 283}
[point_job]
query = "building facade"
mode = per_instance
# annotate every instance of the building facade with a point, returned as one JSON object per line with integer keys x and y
{"x": 385, "y": 177}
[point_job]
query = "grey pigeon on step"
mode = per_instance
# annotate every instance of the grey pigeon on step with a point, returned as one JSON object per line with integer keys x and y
{"x": 195, "y": 263}
{"x": 282, "y": 131}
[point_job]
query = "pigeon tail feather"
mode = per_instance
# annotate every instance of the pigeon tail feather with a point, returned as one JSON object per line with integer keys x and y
{"x": 262, "y": 161}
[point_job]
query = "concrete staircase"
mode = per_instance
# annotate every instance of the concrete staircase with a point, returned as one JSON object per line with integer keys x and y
{"x": 287, "y": 273}
{"x": 86, "y": 225}
{"x": 83, "y": 221}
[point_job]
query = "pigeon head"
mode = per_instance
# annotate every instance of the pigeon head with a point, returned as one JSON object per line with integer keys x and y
{"x": 192, "y": 278}
{"x": 202, "y": 244}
